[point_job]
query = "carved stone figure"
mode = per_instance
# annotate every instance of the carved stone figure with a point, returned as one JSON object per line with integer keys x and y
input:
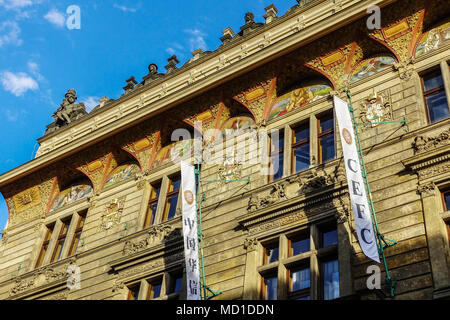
{"x": 152, "y": 73}
{"x": 67, "y": 112}
{"x": 422, "y": 144}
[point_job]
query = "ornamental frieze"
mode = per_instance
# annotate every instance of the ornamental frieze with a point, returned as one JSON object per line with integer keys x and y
{"x": 156, "y": 235}
{"x": 39, "y": 278}
{"x": 312, "y": 181}
{"x": 422, "y": 144}
{"x": 152, "y": 266}
{"x": 435, "y": 170}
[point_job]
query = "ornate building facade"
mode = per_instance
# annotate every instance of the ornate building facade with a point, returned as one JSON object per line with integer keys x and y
{"x": 100, "y": 202}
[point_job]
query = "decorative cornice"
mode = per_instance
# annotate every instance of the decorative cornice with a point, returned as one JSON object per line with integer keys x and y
{"x": 145, "y": 101}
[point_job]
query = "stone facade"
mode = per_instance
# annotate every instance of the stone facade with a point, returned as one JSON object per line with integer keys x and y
{"x": 98, "y": 174}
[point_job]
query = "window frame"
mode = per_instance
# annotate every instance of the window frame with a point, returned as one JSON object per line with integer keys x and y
{"x": 296, "y": 144}
{"x": 322, "y": 135}
{"x": 151, "y": 202}
{"x": 288, "y": 263}
{"x": 62, "y": 236}
{"x": 280, "y": 151}
{"x": 439, "y": 68}
{"x": 170, "y": 194}
{"x": 45, "y": 244}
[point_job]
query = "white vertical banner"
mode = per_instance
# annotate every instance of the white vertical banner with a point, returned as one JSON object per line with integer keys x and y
{"x": 190, "y": 234}
{"x": 358, "y": 195}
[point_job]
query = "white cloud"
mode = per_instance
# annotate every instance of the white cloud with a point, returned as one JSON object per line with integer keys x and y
{"x": 170, "y": 51}
{"x": 197, "y": 39}
{"x": 56, "y": 17}
{"x": 91, "y": 103}
{"x": 123, "y": 8}
{"x": 15, "y": 4}
{"x": 18, "y": 83}
{"x": 33, "y": 67}
{"x": 9, "y": 33}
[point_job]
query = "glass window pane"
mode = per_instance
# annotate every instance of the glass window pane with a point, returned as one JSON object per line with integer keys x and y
{"x": 178, "y": 284}
{"x": 133, "y": 293}
{"x": 172, "y": 202}
{"x": 326, "y": 123}
{"x": 327, "y": 147}
{"x": 271, "y": 254}
{"x": 300, "y": 246}
{"x": 301, "y": 155}
{"x": 329, "y": 238}
{"x": 176, "y": 184}
{"x": 271, "y": 288}
{"x": 276, "y": 144}
{"x": 447, "y": 200}
{"x": 304, "y": 298}
{"x": 155, "y": 290}
{"x": 155, "y": 192}
{"x": 432, "y": 81}
{"x": 300, "y": 279}
{"x": 331, "y": 280}
{"x": 301, "y": 133}
{"x": 437, "y": 106}
{"x": 277, "y": 166}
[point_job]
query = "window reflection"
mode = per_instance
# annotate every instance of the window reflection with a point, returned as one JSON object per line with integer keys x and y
{"x": 331, "y": 280}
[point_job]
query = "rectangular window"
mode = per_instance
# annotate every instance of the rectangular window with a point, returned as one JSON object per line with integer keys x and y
{"x": 300, "y": 148}
{"x": 152, "y": 205}
{"x": 154, "y": 289}
{"x": 328, "y": 236}
{"x": 77, "y": 234}
{"x": 45, "y": 244}
{"x": 325, "y": 129}
{"x": 299, "y": 244}
{"x": 294, "y": 261}
{"x": 434, "y": 96}
{"x": 61, "y": 240}
{"x": 330, "y": 279}
{"x": 276, "y": 157}
{"x": 172, "y": 198}
{"x": 176, "y": 282}
{"x": 269, "y": 287}
{"x": 133, "y": 292}
{"x": 299, "y": 283}
{"x": 446, "y": 199}
{"x": 270, "y": 253}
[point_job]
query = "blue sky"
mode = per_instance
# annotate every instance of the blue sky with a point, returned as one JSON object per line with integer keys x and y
{"x": 40, "y": 58}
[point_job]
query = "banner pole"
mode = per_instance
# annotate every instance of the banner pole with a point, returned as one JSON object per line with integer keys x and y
{"x": 200, "y": 230}
{"x": 382, "y": 244}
